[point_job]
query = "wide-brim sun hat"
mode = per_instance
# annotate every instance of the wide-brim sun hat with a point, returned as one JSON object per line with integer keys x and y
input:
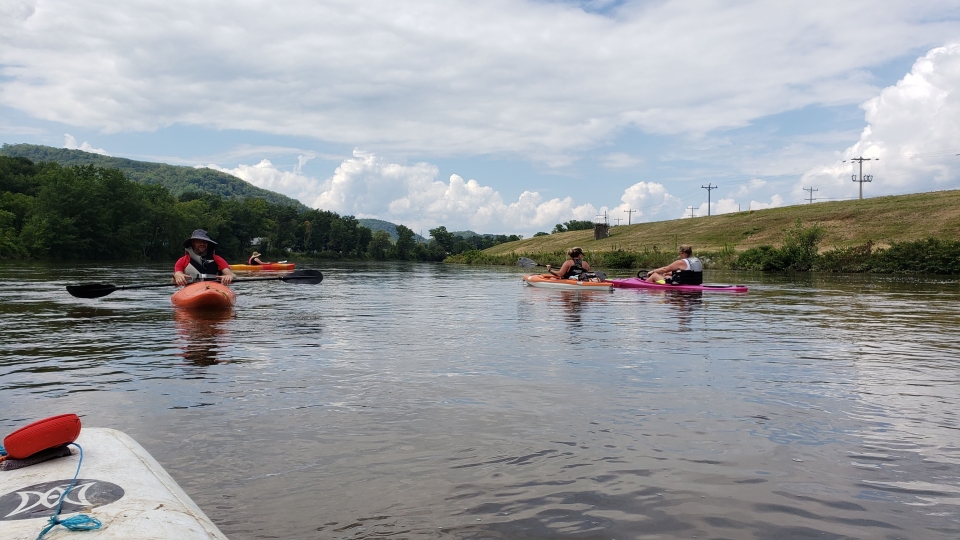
{"x": 255, "y": 254}
{"x": 198, "y": 234}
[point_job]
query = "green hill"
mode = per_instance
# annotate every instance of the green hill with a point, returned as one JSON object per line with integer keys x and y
{"x": 386, "y": 226}
{"x": 880, "y": 220}
{"x": 177, "y": 179}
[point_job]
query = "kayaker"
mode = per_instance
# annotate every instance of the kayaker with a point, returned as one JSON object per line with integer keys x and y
{"x": 573, "y": 267}
{"x": 687, "y": 270}
{"x": 199, "y": 258}
{"x": 255, "y": 259}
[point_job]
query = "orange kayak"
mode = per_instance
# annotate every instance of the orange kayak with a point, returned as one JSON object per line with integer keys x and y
{"x": 205, "y": 295}
{"x": 257, "y": 267}
{"x": 553, "y": 282}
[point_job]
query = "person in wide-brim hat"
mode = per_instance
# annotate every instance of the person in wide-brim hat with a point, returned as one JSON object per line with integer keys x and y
{"x": 199, "y": 261}
{"x": 255, "y": 259}
{"x": 198, "y": 234}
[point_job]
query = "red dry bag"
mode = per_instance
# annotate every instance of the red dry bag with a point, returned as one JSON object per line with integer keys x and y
{"x": 42, "y": 434}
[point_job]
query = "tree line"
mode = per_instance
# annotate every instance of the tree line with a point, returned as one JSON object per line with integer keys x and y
{"x": 83, "y": 212}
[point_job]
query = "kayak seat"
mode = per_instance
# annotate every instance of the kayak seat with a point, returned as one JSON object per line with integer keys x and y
{"x": 686, "y": 277}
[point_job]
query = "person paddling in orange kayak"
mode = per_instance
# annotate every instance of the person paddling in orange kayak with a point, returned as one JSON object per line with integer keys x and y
{"x": 573, "y": 267}
{"x": 255, "y": 259}
{"x": 199, "y": 260}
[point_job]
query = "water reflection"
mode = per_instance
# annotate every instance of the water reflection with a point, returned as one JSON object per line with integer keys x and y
{"x": 200, "y": 335}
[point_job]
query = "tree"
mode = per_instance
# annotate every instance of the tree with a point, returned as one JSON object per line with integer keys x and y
{"x": 444, "y": 238}
{"x": 380, "y": 244}
{"x": 405, "y": 243}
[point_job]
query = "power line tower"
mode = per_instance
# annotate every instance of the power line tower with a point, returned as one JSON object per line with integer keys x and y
{"x": 690, "y": 208}
{"x": 709, "y": 188}
{"x": 862, "y": 178}
{"x": 618, "y": 220}
{"x": 629, "y": 212}
{"x": 811, "y": 190}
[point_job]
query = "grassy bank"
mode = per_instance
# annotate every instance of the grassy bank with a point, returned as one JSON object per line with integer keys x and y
{"x": 881, "y": 221}
{"x": 906, "y": 233}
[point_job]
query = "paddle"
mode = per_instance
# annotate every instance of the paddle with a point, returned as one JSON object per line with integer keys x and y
{"x": 97, "y": 290}
{"x": 642, "y": 274}
{"x": 530, "y": 263}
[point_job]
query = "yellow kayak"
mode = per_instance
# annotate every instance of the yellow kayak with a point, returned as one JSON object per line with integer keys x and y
{"x": 259, "y": 267}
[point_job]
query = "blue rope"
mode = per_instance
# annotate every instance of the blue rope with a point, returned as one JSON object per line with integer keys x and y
{"x": 76, "y": 523}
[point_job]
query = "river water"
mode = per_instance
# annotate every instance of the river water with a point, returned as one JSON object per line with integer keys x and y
{"x": 439, "y": 401}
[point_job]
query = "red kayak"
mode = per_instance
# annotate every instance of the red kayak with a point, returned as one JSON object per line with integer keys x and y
{"x": 204, "y": 295}
{"x": 637, "y": 283}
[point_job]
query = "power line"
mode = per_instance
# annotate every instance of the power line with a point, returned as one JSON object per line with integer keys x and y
{"x": 811, "y": 190}
{"x": 862, "y": 179}
{"x": 690, "y": 208}
{"x": 709, "y": 188}
{"x": 629, "y": 213}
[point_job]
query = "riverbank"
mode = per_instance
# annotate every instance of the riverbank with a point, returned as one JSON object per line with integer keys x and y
{"x": 918, "y": 233}
{"x": 881, "y": 221}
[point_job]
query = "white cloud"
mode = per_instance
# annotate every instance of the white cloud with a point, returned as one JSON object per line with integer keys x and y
{"x": 265, "y": 175}
{"x": 647, "y": 200}
{"x": 619, "y": 160}
{"x": 368, "y": 186}
{"x": 751, "y": 186}
{"x": 70, "y": 143}
{"x": 911, "y": 139}
{"x": 544, "y": 80}
{"x": 729, "y": 206}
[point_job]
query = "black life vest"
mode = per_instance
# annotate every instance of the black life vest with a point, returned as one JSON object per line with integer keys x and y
{"x": 252, "y": 262}
{"x": 574, "y": 270}
{"x": 201, "y": 265}
{"x": 693, "y": 276}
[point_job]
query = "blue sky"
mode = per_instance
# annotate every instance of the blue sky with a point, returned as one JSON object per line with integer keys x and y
{"x": 501, "y": 116}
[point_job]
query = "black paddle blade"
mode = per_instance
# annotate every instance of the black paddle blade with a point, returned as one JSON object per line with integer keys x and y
{"x": 526, "y": 263}
{"x": 92, "y": 290}
{"x": 308, "y": 277}
{"x": 642, "y": 274}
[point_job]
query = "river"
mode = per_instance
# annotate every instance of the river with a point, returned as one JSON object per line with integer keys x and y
{"x": 441, "y": 401}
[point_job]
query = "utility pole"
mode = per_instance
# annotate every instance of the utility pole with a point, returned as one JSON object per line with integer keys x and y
{"x": 811, "y": 190}
{"x": 862, "y": 179}
{"x": 690, "y": 208}
{"x": 709, "y": 188}
{"x": 618, "y": 220}
{"x": 629, "y": 212}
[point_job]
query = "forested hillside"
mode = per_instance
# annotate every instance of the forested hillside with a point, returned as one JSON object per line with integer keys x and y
{"x": 387, "y": 227}
{"x": 82, "y": 212}
{"x": 176, "y": 179}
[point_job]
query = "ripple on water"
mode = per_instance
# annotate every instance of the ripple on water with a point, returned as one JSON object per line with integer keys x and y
{"x": 424, "y": 400}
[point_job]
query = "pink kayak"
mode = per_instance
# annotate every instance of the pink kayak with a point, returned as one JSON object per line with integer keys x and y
{"x": 637, "y": 283}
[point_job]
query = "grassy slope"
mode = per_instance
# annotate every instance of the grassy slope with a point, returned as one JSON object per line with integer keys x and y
{"x": 177, "y": 179}
{"x": 846, "y": 223}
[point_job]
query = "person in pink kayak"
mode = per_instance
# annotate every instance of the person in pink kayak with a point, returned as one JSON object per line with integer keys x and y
{"x": 573, "y": 267}
{"x": 687, "y": 270}
{"x": 200, "y": 260}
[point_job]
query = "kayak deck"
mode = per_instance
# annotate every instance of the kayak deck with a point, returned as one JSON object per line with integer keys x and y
{"x": 637, "y": 283}
{"x": 548, "y": 281}
{"x": 119, "y": 484}
{"x": 205, "y": 295}
{"x": 262, "y": 267}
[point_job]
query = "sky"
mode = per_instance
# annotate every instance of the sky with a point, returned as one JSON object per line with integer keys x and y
{"x": 502, "y": 116}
